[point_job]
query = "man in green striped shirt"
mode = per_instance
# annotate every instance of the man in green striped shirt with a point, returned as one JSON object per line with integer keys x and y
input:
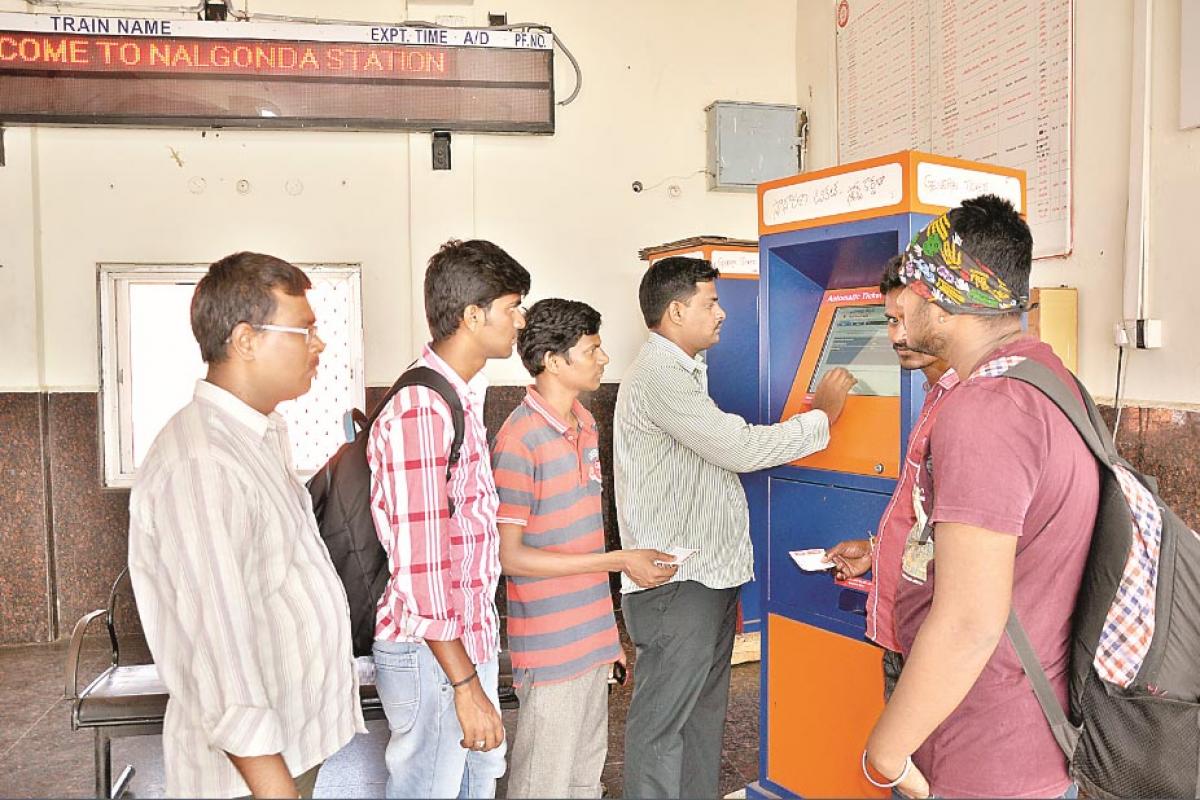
{"x": 677, "y": 458}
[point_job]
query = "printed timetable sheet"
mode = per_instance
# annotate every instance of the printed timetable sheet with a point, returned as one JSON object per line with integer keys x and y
{"x": 984, "y": 80}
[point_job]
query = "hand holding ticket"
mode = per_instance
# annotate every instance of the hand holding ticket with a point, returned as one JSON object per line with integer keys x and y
{"x": 812, "y": 560}
{"x": 678, "y": 556}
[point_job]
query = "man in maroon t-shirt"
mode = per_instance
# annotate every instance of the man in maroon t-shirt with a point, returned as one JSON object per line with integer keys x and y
{"x": 1010, "y": 494}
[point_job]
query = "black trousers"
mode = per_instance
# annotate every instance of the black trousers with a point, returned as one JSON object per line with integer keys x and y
{"x": 683, "y": 633}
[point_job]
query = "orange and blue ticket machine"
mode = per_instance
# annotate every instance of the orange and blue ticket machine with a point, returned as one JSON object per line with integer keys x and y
{"x": 824, "y": 240}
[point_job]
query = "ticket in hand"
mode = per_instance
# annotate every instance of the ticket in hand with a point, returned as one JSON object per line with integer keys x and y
{"x": 678, "y": 556}
{"x": 812, "y": 560}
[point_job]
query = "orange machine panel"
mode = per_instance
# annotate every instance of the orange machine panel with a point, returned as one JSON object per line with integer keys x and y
{"x": 825, "y": 692}
{"x": 866, "y": 438}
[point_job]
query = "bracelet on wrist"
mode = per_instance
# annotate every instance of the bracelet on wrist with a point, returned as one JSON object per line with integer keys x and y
{"x": 908, "y": 765}
{"x": 474, "y": 674}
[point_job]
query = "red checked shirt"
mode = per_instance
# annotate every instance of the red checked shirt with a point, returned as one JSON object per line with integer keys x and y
{"x": 444, "y": 568}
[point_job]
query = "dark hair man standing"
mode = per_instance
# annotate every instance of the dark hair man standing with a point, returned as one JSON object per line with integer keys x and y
{"x": 561, "y": 629}
{"x": 437, "y": 634}
{"x": 677, "y": 457}
{"x": 882, "y": 554}
{"x": 242, "y": 609}
{"x": 1010, "y": 494}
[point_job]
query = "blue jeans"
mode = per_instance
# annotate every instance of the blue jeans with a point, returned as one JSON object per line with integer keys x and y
{"x": 424, "y": 756}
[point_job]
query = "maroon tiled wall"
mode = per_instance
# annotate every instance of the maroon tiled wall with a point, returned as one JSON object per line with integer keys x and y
{"x": 63, "y": 538}
{"x": 24, "y": 558}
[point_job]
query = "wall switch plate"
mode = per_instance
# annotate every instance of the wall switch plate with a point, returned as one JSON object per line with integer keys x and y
{"x": 1149, "y": 334}
{"x": 441, "y": 150}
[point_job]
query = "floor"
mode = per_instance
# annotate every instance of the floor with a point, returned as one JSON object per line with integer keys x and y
{"x": 40, "y": 756}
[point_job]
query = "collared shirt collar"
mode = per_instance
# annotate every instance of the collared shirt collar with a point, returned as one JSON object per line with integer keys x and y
{"x": 535, "y": 401}
{"x": 235, "y": 407}
{"x": 947, "y": 382}
{"x": 691, "y": 364}
{"x": 474, "y": 389}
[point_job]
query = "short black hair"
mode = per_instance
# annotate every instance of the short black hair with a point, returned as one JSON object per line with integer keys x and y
{"x": 993, "y": 233}
{"x": 669, "y": 280}
{"x": 890, "y": 281}
{"x": 236, "y": 289}
{"x": 471, "y": 273}
{"x": 554, "y": 326}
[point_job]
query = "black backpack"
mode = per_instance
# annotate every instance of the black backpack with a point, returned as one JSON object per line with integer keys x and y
{"x": 1137, "y": 735}
{"x": 341, "y": 499}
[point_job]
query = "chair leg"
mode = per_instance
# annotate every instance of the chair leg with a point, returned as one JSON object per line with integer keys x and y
{"x": 103, "y": 766}
{"x": 122, "y": 784}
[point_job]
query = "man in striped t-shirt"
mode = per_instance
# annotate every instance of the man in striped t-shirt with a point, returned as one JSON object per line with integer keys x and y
{"x": 561, "y": 629}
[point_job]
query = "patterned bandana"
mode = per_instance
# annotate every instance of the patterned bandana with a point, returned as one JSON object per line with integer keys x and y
{"x": 937, "y": 268}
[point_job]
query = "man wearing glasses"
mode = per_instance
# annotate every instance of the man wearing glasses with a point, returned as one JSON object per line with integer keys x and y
{"x": 242, "y": 609}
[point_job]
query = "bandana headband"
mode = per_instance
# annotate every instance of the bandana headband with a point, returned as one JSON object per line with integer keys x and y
{"x": 937, "y": 268}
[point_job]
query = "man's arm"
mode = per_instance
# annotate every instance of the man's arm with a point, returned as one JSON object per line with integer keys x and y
{"x": 520, "y": 560}
{"x": 515, "y": 472}
{"x": 971, "y": 601}
{"x": 267, "y": 776}
{"x": 689, "y": 415}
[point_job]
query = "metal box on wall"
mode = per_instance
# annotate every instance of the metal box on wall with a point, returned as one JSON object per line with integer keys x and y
{"x": 749, "y": 143}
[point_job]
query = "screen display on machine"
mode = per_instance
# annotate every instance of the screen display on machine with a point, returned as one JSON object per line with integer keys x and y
{"x": 858, "y": 340}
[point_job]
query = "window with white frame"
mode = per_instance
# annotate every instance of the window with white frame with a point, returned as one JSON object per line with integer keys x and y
{"x": 149, "y": 361}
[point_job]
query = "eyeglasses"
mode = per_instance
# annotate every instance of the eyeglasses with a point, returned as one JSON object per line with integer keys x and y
{"x": 309, "y": 333}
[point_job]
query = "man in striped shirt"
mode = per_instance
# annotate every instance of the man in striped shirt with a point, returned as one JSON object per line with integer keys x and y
{"x": 437, "y": 633}
{"x": 677, "y": 457}
{"x": 561, "y": 629}
{"x": 242, "y": 609}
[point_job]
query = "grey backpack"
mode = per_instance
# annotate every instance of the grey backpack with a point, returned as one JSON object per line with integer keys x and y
{"x": 1133, "y": 727}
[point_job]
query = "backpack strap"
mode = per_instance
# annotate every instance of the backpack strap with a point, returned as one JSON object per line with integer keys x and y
{"x": 1066, "y": 734}
{"x": 434, "y": 380}
{"x": 1092, "y": 430}
{"x": 1086, "y": 419}
{"x": 437, "y": 382}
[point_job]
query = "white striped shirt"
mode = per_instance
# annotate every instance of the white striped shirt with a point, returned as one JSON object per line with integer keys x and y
{"x": 243, "y": 611}
{"x": 676, "y": 460}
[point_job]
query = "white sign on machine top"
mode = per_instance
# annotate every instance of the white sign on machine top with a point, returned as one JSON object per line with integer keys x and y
{"x": 860, "y": 190}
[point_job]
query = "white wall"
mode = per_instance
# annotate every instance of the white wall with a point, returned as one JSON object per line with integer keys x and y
{"x": 1103, "y": 63}
{"x": 562, "y": 205}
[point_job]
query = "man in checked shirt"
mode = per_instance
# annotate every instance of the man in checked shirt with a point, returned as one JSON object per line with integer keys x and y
{"x": 437, "y": 635}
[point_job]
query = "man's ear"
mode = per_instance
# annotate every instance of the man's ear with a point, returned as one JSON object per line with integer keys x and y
{"x": 242, "y": 342}
{"x": 473, "y": 317}
{"x": 674, "y": 312}
{"x": 549, "y": 364}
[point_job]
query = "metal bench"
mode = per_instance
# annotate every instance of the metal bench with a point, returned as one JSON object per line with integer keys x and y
{"x": 131, "y": 700}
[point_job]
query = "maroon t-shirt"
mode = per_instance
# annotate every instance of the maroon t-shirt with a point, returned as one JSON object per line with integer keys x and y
{"x": 1003, "y": 457}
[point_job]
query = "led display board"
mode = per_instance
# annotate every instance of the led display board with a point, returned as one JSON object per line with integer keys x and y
{"x": 131, "y": 71}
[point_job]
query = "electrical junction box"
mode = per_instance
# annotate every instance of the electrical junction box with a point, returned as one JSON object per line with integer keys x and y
{"x": 750, "y": 143}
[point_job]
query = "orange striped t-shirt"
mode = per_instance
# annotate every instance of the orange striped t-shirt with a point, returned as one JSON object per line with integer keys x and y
{"x": 548, "y": 479}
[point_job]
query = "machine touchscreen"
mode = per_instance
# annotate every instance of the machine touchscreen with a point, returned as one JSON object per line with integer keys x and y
{"x": 857, "y": 340}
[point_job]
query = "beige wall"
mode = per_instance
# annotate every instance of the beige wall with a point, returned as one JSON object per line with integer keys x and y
{"x": 1103, "y": 63}
{"x": 562, "y": 205}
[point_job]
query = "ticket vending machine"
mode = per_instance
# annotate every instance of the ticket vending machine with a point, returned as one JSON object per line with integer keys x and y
{"x": 825, "y": 238}
{"x": 733, "y": 368}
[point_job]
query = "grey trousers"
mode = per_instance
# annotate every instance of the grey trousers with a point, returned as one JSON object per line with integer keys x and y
{"x": 683, "y": 633}
{"x": 562, "y": 738}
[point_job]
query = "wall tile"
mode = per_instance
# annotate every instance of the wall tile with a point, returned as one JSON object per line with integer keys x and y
{"x": 24, "y": 562}
{"x": 91, "y": 524}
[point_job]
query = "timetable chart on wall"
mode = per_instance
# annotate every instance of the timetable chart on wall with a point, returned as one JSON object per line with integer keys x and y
{"x": 983, "y": 80}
